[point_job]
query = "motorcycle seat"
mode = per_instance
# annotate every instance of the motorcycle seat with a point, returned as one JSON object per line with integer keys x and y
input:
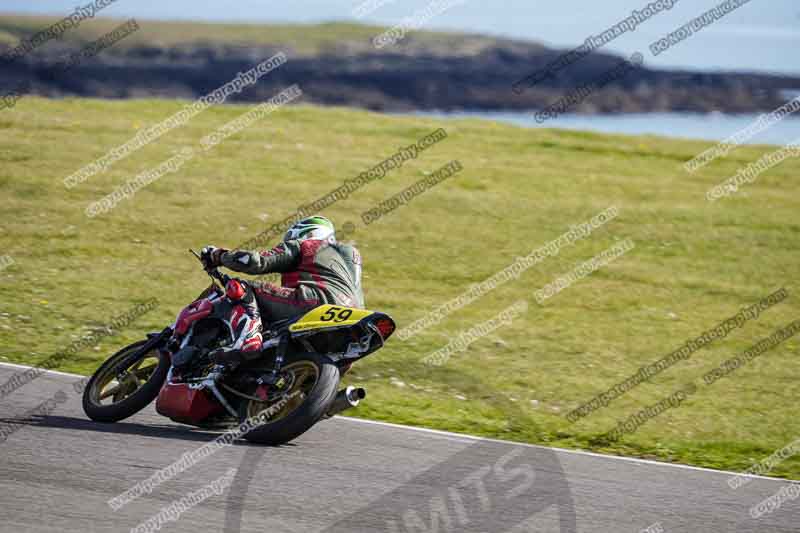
{"x": 282, "y": 326}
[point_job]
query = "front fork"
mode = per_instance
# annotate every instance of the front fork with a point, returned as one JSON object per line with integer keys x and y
{"x": 154, "y": 340}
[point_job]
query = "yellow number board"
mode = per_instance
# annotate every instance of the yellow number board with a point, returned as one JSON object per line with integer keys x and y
{"x": 326, "y": 316}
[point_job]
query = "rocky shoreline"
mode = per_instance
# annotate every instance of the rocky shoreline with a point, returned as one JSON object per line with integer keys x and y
{"x": 398, "y": 81}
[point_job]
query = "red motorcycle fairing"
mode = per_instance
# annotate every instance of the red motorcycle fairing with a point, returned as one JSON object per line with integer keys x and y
{"x": 191, "y": 313}
{"x": 182, "y": 404}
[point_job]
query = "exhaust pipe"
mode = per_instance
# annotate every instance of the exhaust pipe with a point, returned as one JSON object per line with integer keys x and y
{"x": 345, "y": 399}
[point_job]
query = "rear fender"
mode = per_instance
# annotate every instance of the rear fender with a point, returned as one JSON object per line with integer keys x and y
{"x": 368, "y": 329}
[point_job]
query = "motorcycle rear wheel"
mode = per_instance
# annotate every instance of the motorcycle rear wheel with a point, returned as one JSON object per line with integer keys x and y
{"x": 130, "y": 383}
{"x": 312, "y": 390}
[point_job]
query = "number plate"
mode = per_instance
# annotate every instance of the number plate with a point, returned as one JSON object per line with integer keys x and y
{"x": 326, "y": 316}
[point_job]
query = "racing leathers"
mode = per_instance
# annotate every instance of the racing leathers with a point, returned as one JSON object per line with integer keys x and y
{"x": 313, "y": 272}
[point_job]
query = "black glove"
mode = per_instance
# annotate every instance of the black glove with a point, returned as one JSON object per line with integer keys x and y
{"x": 211, "y": 256}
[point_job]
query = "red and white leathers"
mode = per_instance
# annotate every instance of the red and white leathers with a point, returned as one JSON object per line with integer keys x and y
{"x": 244, "y": 319}
{"x": 237, "y": 309}
{"x": 314, "y": 272}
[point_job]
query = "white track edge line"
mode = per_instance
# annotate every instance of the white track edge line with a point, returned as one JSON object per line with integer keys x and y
{"x": 462, "y": 437}
{"x": 56, "y": 372}
{"x": 564, "y": 450}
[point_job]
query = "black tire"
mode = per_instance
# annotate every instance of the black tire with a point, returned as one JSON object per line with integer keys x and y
{"x": 133, "y": 403}
{"x": 313, "y": 408}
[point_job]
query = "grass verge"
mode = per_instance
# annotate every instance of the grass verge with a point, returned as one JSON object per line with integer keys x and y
{"x": 695, "y": 263}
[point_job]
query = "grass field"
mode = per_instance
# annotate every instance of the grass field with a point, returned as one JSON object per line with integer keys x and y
{"x": 694, "y": 263}
{"x": 298, "y": 39}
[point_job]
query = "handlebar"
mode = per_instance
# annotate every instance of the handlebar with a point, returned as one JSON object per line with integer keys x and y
{"x": 215, "y": 274}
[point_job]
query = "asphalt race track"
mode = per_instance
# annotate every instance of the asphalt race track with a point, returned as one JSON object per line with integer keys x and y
{"x": 58, "y": 471}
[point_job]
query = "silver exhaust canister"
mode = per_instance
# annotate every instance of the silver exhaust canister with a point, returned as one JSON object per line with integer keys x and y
{"x": 345, "y": 399}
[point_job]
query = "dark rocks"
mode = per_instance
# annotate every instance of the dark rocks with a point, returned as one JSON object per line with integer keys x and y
{"x": 410, "y": 78}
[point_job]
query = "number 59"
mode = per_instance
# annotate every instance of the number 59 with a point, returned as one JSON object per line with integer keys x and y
{"x": 336, "y": 314}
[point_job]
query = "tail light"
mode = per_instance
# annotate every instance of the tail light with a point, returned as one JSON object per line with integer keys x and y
{"x": 385, "y": 327}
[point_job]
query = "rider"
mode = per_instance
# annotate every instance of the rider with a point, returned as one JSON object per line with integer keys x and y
{"x": 315, "y": 269}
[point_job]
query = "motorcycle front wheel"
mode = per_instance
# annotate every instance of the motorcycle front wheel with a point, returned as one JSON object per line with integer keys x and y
{"x": 124, "y": 385}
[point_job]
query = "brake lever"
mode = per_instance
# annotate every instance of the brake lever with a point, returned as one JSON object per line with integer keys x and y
{"x": 214, "y": 273}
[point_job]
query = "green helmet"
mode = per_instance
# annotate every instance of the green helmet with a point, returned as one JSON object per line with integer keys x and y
{"x": 316, "y": 227}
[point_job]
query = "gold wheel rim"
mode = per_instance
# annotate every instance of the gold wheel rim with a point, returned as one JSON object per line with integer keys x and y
{"x": 120, "y": 383}
{"x": 305, "y": 376}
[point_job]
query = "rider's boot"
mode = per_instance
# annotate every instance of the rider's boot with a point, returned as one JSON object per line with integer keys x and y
{"x": 244, "y": 320}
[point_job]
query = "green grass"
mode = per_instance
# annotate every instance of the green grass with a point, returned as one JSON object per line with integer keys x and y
{"x": 298, "y": 39}
{"x": 694, "y": 263}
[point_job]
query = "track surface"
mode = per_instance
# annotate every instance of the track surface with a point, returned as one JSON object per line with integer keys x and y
{"x": 58, "y": 471}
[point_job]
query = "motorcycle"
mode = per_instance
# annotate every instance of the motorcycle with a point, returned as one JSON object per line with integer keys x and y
{"x": 289, "y": 387}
